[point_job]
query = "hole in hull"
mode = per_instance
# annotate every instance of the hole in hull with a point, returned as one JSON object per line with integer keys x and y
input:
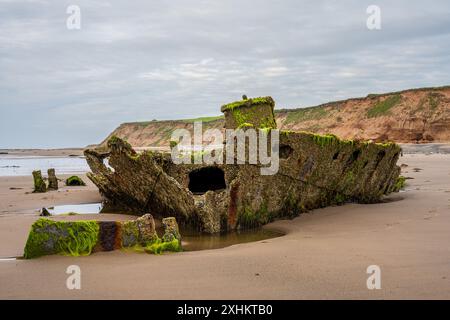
{"x": 355, "y": 155}
{"x": 285, "y": 151}
{"x": 206, "y": 179}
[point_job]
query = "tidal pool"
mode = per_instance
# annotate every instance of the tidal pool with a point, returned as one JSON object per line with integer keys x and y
{"x": 191, "y": 239}
{"x": 9, "y": 259}
{"x": 87, "y": 208}
{"x": 196, "y": 242}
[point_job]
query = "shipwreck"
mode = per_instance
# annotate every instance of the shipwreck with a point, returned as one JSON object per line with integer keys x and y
{"x": 314, "y": 171}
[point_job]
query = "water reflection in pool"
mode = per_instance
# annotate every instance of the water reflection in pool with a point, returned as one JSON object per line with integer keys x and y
{"x": 195, "y": 242}
{"x": 88, "y": 208}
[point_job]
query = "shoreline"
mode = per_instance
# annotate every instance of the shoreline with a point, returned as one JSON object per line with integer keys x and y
{"x": 64, "y": 152}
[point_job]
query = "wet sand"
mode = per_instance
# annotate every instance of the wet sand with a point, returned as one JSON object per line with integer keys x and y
{"x": 324, "y": 255}
{"x": 427, "y": 148}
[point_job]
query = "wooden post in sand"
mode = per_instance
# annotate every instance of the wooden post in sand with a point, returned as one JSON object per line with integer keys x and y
{"x": 52, "y": 180}
{"x": 39, "y": 184}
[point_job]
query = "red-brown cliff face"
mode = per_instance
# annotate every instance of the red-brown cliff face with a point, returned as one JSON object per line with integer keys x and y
{"x": 416, "y": 115}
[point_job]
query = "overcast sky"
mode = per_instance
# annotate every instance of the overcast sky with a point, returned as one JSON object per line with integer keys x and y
{"x": 154, "y": 59}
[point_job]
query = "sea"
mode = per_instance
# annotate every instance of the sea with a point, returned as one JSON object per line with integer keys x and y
{"x": 13, "y": 165}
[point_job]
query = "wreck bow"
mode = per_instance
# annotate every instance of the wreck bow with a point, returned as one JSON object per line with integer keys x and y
{"x": 136, "y": 182}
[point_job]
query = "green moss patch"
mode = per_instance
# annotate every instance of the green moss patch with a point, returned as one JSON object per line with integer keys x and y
{"x": 399, "y": 184}
{"x": 382, "y": 107}
{"x": 39, "y": 183}
{"x": 245, "y": 125}
{"x": 306, "y": 114}
{"x": 328, "y": 139}
{"x": 74, "y": 238}
{"x": 79, "y": 238}
{"x": 119, "y": 144}
{"x": 75, "y": 181}
{"x": 244, "y": 118}
{"x": 434, "y": 100}
{"x": 160, "y": 246}
{"x": 248, "y": 102}
{"x": 248, "y": 218}
{"x": 257, "y": 112}
{"x": 203, "y": 119}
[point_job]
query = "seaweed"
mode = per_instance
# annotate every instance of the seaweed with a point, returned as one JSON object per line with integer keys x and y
{"x": 247, "y": 102}
{"x": 75, "y": 181}
{"x": 74, "y": 238}
{"x": 399, "y": 184}
{"x": 160, "y": 246}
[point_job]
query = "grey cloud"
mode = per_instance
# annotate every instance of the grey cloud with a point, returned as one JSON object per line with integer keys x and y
{"x": 140, "y": 60}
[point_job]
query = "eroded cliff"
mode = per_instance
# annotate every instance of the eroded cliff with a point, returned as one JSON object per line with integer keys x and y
{"x": 416, "y": 115}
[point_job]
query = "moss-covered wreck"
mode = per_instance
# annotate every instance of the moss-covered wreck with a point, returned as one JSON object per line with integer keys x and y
{"x": 314, "y": 171}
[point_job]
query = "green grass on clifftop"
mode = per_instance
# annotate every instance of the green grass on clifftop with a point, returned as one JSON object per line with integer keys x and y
{"x": 203, "y": 119}
{"x": 382, "y": 107}
{"x": 300, "y": 115}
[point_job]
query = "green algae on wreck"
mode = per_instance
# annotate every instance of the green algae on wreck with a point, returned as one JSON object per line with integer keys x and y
{"x": 39, "y": 183}
{"x": 81, "y": 238}
{"x": 256, "y": 112}
{"x": 159, "y": 246}
{"x": 400, "y": 184}
{"x": 61, "y": 237}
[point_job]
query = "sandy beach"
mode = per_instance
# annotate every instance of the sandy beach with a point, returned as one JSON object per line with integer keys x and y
{"x": 324, "y": 254}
